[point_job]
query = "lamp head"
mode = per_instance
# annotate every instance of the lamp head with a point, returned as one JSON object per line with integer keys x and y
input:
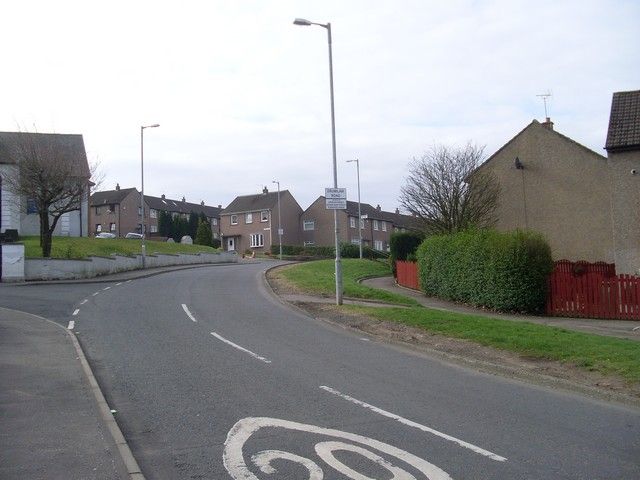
{"x": 301, "y": 21}
{"x": 155, "y": 125}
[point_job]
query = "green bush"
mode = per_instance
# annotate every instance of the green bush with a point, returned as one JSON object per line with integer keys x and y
{"x": 402, "y": 246}
{"x": 503, "y": 271}
{"x": 298, "y": 250}
{"x": 203, "y": 234}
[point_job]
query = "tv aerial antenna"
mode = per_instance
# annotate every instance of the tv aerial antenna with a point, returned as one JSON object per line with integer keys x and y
{"x": 544, "y": 99}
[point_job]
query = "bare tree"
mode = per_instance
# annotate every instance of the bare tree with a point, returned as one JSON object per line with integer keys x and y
{"x": 52, "y": 172}
{"x": 446, "y": 192}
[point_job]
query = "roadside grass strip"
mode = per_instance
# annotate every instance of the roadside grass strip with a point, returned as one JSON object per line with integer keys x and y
{"x": 318, "y": 277}
{"x": 602, "y": 354}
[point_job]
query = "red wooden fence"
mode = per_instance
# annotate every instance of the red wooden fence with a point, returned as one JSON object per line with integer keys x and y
{"x": 592, "y": 290}
{"x": 407, "y": 274}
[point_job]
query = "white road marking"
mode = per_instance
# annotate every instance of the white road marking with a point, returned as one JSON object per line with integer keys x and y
{"x": 242, "y": 349}
{"x": 106, "y": 288}
{"x": 75, "y": 312}
{"x": 94, "y": 294}
{"x": 118, "y": 284}
{"x": 413, "y": 424}
{"x": 127, "y": 281}
{"x": 636, "y": 328}
{"x": 233, "y": 456}
{"x": 71, "y": 325}
{"x": 364, "y": 339}
{"x": 83, "y": 301}
{"x": 186, "y": 310}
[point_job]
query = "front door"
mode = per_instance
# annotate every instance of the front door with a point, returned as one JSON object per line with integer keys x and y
{"x": 231, "y": 244}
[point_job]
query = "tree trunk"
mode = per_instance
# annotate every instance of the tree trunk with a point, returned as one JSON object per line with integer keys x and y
{"x": 45, "y": 234}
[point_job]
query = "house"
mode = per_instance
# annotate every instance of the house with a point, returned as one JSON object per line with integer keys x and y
{"x": 554, "y": 185}
{"x": 317, "y": 225}
{"x": 65, "y": 150}
{"x": 623, "y": 151}
{"x": 119, "y": 211}
{"x": 250, "y": 222}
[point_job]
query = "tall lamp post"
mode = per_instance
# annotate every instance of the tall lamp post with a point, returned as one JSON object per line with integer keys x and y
{"x": 279, "y": 226}
{"x": 155, "y": 125}
{"x": 338, "y": 272}
{"x": 359, "y": 211}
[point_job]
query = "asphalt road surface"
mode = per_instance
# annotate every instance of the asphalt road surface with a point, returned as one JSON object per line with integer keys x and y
{"x": 211, "y": 377}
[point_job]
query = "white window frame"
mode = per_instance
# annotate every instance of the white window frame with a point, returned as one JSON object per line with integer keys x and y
{"x": 378, "y": 245}
{"x": 352, "y": 222}
{"x": 257, "y": 240}
{"x": 376, "y": 225}
{"x": 309, "y": 244}
{"x": 248, "y": 218}
{"x": 234, "y": 219}
{"x": 362, "y": 223}
{"x": 153, "y": 229}
{"x": 264, "y": 216}
{"x": 383, "y": 224}
{"x": 214, "y": 221}
{"x": 307, "y": 223}
{"x": 153, "y": 213}
{"x": 98, "y": 227}
{"x": 112, "y": 227}
{"x": 355, "y": 240}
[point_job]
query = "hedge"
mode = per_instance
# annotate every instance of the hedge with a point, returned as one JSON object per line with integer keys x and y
{"x": 403, "y": 246}
{"x": 347, "y": 250}
{"x": 504, "y": 271}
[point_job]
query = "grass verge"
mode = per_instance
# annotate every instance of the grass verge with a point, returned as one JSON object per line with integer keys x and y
{"x": 606, "y": 355}
{"x": 75, "y": 247}
{"x": 318, "y": 277}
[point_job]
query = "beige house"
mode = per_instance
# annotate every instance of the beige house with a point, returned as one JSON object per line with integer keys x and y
{"x": 250, "y": 222}
{"x": 623, "y": 148}
{"x": 555, "y": 186}
{"x": 318, "y": 226}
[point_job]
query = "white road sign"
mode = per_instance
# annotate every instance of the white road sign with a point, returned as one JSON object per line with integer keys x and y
{"x": 336, "y": 203}
{"x": 336, "y": 193}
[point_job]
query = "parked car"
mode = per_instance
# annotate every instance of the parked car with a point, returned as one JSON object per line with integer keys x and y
{"x": 105, "y": 235}
{"x": 133, "y": 235}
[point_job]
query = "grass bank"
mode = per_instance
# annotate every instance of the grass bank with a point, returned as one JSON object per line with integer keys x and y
{"x": 317, "y": 277}
{"x": 74, "y": 247}
{"x": 598, "y": 353}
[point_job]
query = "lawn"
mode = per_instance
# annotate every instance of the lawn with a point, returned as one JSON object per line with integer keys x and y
{"x": 74, "y": 247}
{"x": 318, "y": 277}
{"x": 606, "y": 355}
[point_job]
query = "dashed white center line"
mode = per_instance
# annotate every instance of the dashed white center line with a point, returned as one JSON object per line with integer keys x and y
{"x": 75, "y": 312}
{"x": 106, "y": 288}
{"x": 94, "y": 294}
{"x": 186, "y": 310}
{"x": 118, "y": 284}
{"x": 410, "y": 423}
{"x": 242, "y": 349}
{"x": 71, "y": 325}
{"x": 127, "y": 281}
{"x": 83, "y": 301}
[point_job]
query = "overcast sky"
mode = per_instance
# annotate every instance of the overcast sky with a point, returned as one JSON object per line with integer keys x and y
{"x": 242, "y": 95}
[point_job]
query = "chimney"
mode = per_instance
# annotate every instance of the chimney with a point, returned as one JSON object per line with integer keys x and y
{"x": 162, "y": 196}
{"x": 117, "y": 187}
{"x": 548, "y": 124}
{"x": 184, "y": 199}
{"x": 202, "y": 203}
{"x": 265, "y": 190}
{"x": 378, "y": 207}
{"x": 220, "y": 207}
{"x": 397, "y": 211}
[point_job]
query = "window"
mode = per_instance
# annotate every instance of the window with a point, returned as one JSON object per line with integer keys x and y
{"x": 248, "y": 218}
{"x": 139, "y": 211}
{"x": 153, "y": 213}
{"x": 153, "y": 228}
{"x": 352, "y": 222}
{"x": 112, "y": 227}
{"x": 214, "y": 221}
{"x": 97, "y": 210}
{"x": 361, "y": 224}
{"x": 98, "y": 227}
{"x": 264, "y": 216}
{"x": 112, "y": 208}
{"x": 309, "y": 244}
{"x": 309, "y": 225}
{"x": 257, "y": 240}
{"x": 383, "y": 224}
{"x": 234, "y": 219}
{"x": 376, "y": 225}
{"x": 355, "y": 241}
{"x": 377, "y": 245}
{"x": 31, "y": 206}
{"x": 215, "y": 234}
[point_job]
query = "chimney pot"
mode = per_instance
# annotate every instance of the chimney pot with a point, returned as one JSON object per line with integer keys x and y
{"x": 184, "y": 199}
{"x": 548, "y": 124}
{"x": 162, "y": 196}
{"x": 202, "y": 203}
{"x": 378, "y": 207}
{"x": 220, "y": 206}
{"x": 265, "y": 190}
{"x": 397, "y": 211}
{"x": 117, "y": 186}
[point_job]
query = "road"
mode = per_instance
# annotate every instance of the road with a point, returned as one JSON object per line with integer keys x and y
{"x": 212, "y": 377}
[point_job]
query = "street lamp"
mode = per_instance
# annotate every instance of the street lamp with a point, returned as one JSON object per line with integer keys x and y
{"x": 279, "y": 227}
{"x": 338, "y": 273}
{"x": 359, "y": 212}
{"x": 155, "y": 125}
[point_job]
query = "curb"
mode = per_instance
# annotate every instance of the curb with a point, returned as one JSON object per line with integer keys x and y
{"x": 130, "y": 463}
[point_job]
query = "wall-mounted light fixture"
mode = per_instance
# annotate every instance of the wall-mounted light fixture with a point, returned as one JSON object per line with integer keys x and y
{"x": 518, "y": 164}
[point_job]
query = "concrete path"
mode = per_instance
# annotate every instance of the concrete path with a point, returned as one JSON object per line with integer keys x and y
{"x": 615, "y": 328}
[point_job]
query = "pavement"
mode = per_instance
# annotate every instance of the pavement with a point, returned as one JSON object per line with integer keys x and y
{"x": 55, "y": 422}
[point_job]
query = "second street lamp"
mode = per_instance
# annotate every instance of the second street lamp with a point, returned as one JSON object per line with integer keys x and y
{"x": 359, "y": 211}
{"x": 279, "y": 225}
{"x": 143, "y": 246}
{"x": 338, "y": 273}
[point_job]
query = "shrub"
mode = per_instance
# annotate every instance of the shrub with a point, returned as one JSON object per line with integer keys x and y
{"x": 503, "y": 271}
{"x": 402, "y": 245}
{"x": 203, "y": 234}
